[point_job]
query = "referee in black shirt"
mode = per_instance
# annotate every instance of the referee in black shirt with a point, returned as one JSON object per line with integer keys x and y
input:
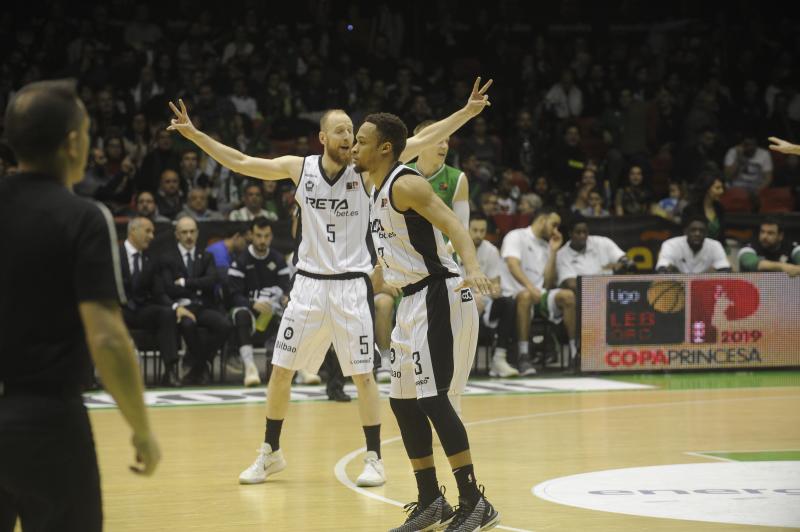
{"x": 60, "y": 293}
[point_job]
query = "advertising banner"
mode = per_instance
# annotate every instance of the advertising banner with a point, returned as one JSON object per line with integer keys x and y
{"x": 677, "y": 322}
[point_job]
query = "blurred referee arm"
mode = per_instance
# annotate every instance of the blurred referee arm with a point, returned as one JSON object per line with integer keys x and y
{"x": 113, "y": 354}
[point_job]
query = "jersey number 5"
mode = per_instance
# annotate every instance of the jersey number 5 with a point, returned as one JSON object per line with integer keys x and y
{"x": 331, "y": 232}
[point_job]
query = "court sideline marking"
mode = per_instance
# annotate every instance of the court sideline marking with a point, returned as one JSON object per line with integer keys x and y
{"x": 340, "y": 467}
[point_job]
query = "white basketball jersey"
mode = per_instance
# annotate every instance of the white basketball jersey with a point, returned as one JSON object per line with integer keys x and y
{"x": 408, "y": 246}
{"x": 333, "y": 234}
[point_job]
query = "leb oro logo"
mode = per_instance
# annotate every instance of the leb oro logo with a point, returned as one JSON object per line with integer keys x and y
{"x": 715, "y": 303}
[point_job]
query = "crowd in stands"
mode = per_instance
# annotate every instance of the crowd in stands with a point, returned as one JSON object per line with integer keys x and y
{"x": 603, "y": 118}
{"x": 593, "y": 116}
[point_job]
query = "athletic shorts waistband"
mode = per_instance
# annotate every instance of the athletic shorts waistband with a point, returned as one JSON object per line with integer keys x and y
{"x": 413, "y": 288}
{"x": 334, "y": 276}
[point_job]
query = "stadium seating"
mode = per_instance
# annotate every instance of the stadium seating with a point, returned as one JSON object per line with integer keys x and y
{"x": 778, "y": 199}
{"x": 736, "y": 199}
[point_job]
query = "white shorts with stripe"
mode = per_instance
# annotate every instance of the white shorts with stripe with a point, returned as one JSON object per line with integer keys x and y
{"x": 322, "y": 312}
{"x": 434, "y": 340}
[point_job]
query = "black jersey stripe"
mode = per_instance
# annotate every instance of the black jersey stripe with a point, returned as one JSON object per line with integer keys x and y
{"x": 440, "y": 333}
{"x": 423, "y": 240}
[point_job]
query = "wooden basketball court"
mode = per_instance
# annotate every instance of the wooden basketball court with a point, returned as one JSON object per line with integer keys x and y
{"x": 518, "y": 441}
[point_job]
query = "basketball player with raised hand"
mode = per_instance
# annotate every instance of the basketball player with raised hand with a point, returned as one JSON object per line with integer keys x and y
{"x": 331, "y": 298}
{"x": 434, "y": 340}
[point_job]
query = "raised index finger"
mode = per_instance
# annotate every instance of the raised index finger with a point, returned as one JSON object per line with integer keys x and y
{"x": 174, "y": 109}
{"x": 183, "y": 107}
{"x": 485, "y": 87}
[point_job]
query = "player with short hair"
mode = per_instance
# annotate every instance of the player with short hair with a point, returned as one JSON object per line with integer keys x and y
{"x": 693, "y": 252}
{"x": 587, "y": 254}
{"x": 331, "y": 299}
{"x": 450, "y": 184}
{"x": 770, "y": 253}
{"x": 434, "y": 340}
{"x": 530, "y": 278}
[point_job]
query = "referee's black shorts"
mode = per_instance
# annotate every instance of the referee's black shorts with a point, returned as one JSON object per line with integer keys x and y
{"x": 48, "y": 467}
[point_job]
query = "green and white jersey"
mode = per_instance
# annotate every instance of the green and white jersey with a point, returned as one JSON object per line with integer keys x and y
{"x": 444, "y": 182}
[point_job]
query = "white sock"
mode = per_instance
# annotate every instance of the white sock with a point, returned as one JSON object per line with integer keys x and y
{"x": 500, "y": 353}
{"x": 523, "y": 348}
{"x": 385, "y": 358}
{"x": 573, "y": 349}
{"x": 246, "y": 352}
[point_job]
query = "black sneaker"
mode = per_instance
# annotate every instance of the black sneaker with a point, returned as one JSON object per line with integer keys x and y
{"x": 471, "y": 517}
{"x": 431, "y": 517}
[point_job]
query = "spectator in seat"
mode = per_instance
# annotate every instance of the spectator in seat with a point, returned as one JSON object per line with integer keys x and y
{"x": 242, "y": 101}
{"x": 635, "y": 198}
{"x": 224, "y": 251}
{"x": 496, "y": 312}
{"x": 197, "y": 207}
{"x": 520, "y": 151}
{"x": 168, "y": 197}
{"x": 160, "y": 158}
{"x": 748, "y": 166}
{"x": 188, "y": 279}
{"x": 191, "y": 174}
{"x": 596, "y": 208}
{"x": 693, "y": 252}
{"x": 483, "y": 145}
{"x": 530, "y": 278}
{"x": 581, "y": 204}
{"x": 253, "y": 206}
{"x": 142, "y": 311}
{"x": 564, "y": 99}
{"x": 770, "y": 253}
{"x": 587, "y": 254}
{"x": 146, "y": 207}
{"x": 259, "y": 284}
{"x": 704, "y": 155}
{"x": 673, "y": 205}
{"x": 706, "y": 203}
{"x": 543, "y": 189}
{"x": 569, "y": 159}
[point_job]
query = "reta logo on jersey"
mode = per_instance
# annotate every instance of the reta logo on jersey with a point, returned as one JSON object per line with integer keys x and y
{"x": 324, "y": 204}
{"x": 377, "y": 227}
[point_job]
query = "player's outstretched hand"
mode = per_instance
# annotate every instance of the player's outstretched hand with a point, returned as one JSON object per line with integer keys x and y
{"x": 783, "y": 146}
{"x": 148, "y": 454}
{"x": 181, "y": 122}
{"x": 478, "y": 99}
{"x": 477, "y": 282}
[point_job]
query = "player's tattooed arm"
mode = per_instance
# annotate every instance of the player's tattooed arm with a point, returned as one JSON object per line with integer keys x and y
{"x": 437, "y": 131}
{"x": 285, "y": 167}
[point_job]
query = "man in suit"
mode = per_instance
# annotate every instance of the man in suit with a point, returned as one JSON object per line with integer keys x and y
{"x": 141, "y": 310}
{"x": 187, "y": 279}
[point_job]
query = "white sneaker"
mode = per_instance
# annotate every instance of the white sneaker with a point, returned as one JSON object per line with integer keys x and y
{"x": 251, "y": 377}
{"x": 306, "y": 377}
{"x": 267, "y": 463}
{"x": 373, "y": 474}
{"x": 500, "y": 367}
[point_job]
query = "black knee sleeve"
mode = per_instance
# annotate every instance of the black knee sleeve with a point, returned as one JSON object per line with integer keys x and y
{"x": 414, "y": 427}
{"x": 448, "y": 425}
